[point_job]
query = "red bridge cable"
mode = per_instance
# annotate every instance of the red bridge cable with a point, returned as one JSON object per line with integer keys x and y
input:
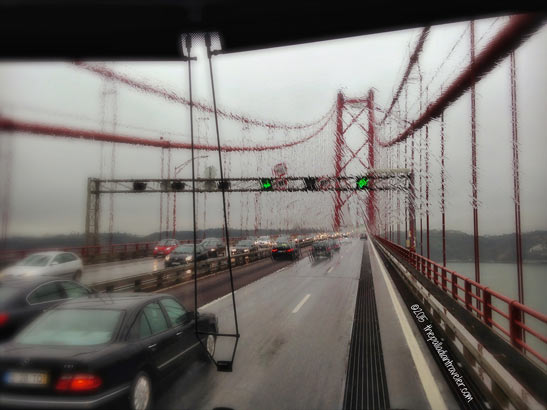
{"x": 411, "y": 62}
{"x": 517, "y": 30}
{"x": 10, "y": 124}
{"x": 172, "y": 96}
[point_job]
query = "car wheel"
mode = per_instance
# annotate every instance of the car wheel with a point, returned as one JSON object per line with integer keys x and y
{"x": 140, "y": 396}
{"x": 77, "y": 276}
{"x": 210, "y": 345}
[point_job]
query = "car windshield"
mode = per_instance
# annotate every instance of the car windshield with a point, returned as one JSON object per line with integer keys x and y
{"x": 163, "y": 242}
{"x": 71, "y": 327}
{"x": 35, "y": 260}
{"x": 264, "y": 238}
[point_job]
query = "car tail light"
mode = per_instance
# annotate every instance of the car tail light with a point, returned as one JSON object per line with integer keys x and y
{"x": 4, "y": 317}
{"x": 78, "y": 382}
{"x": 274, "y": 250}
{"x": 290, "y": 250}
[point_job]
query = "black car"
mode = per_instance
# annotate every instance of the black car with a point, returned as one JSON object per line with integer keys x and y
{"x": 185, "y": 254}
{"x": 101, "y": 350}
{"x": 23, "y": 299}
{"x": 285, "y": 248}
{"x": 215, "y": 247}
{"x": 321, "y": 248}
{"x": 244, "y": 247}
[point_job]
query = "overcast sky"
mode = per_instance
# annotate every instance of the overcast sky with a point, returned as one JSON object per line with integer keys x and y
{"x": 296, "y": 84}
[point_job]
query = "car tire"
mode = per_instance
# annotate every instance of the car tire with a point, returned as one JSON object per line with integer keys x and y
{"x": 77, "y": 276}
{"x": 140, "y": 394}
{"x": 210, "y": 345}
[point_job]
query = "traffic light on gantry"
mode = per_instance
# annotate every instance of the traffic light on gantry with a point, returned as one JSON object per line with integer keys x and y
{"x": 362, "y": 182}
{"x": 311, "y": 183}
{"x": 266, "y": 184}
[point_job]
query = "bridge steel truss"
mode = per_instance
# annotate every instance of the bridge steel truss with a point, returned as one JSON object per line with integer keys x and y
{"x": 381, "y": 180}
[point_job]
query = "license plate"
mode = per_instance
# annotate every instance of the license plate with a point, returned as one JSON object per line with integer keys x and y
{"x": 27, "y": 378}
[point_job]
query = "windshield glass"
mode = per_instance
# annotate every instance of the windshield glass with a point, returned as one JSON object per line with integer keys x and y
{"x": 424, "y": 145}
{"x": 71, "y": 327}
{"x": 35, "y": 260}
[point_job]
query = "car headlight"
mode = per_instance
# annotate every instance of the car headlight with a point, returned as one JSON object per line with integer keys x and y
{"x": 168, "y": 257}
{"x": 245, "y": 250}
{"x": 188, "y": 258}
{"x": 156, "y": 248}
{"x": 212, "y": 250}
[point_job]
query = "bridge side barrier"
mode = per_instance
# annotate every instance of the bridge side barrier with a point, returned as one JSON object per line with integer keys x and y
{"x": 482, "y": 301}
{"x": 179, "y": 274}
{"x": 96, "y": 253}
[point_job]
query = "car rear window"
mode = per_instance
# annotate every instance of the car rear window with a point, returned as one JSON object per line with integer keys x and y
{"x": 71, "y": 327}
{"x": 184, "y": 249}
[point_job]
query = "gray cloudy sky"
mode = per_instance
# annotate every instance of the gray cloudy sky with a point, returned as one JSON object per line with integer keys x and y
{"x": 295, "y": 84}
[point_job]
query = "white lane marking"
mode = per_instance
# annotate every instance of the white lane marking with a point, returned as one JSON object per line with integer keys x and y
{"x": 229, "y": 294}
{"x": 217, "y": 300}
{"x": 330, "y": 269}
{"x": 297, "y": 308}
{"x": 430, "y": 387}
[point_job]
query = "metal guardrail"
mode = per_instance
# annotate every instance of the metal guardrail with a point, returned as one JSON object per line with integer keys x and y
{"x": 96, "y": 253}
{"x": 180, "y": 274}
{"x": 480, "y": 300}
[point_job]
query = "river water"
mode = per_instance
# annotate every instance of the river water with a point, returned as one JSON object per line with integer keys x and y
{"x": 502, "y": 277}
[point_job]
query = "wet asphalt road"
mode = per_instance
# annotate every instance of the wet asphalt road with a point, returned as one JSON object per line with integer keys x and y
{"x": 295, "y": 325}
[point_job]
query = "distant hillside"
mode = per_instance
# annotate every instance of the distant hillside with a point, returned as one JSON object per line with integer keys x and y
{"x": 63, "y": 241}
{"x": 497, "y": 248}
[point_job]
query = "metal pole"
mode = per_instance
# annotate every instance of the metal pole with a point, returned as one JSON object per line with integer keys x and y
{"x": 223, "y": 186}
{"x": 443, "y": 216}
{"x": 194, "y": 222}
{"x": 516, "y": 178}
{"x": 371, "y": 137}
{"x": 338, "y": 158}
{"x": 161, "y": 193}
{"x": 474, "y": 181}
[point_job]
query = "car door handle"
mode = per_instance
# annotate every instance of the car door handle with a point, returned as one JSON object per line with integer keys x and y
{"x": 179, "y": 333}
{"x": 152, "y": 346}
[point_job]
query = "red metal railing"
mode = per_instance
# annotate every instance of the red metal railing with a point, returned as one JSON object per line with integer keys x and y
{"x": 468, "y": 292}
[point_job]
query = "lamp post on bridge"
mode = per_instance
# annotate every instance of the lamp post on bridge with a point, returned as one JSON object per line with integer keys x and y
{"x": 179, "y": 168}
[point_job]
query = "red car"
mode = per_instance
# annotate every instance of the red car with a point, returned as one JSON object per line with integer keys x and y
{"x": 165, "y": 246}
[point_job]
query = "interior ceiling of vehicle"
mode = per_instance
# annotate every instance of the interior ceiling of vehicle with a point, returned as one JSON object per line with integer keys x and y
{"x": 151, "y": 29}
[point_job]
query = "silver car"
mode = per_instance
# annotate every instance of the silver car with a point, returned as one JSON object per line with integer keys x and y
{"x": 53, "y": 263}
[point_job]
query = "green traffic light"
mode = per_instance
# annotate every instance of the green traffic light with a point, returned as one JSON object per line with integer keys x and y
{"x": 361, "y": 183}
{"x": 266, "y": 184}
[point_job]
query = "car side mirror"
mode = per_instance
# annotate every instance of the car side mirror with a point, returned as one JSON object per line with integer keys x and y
{"x": 188, "y": 317}
{"x": 54, "y": 263}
